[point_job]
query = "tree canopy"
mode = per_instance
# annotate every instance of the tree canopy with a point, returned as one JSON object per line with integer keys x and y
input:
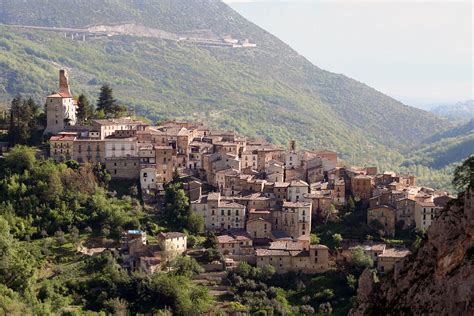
{"x": 464, "y": 175}
{"x": 107, "y": 104}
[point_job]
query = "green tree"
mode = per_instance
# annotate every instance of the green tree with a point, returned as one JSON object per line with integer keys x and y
{"x": 177, "y": 208}
{"x": 464, "y": 175}
{"x": 101, "y": 174}
{"x": 107, "y": 104}
{"x": 351, "y": 281}
{"x": 337, "y": 239}
{"x": 23, "y": 121}
{"x": 315, "y": 239}
{"x": 195, "y": 223}
{"x": 211, "y": 242}
{"x": 186, "y": 266}
{"x": 20, "y": 158}
{"x": 360, "y": 259}
{"x": 17, "y": 264}
{"x": 85, "y": 110}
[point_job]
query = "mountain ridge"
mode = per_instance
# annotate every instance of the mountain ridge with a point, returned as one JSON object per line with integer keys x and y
{"x": 268, "y": 91}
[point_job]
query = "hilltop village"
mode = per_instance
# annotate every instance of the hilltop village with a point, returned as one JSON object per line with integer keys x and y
{"x": 260, "y": 200}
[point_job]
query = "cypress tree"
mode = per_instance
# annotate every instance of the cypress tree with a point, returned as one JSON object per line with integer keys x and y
{"x": 106, "y": 102}
{"x": 84, "y": 109}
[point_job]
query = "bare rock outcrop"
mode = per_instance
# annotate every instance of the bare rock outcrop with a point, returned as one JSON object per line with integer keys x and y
{"x": 438, "y": 279}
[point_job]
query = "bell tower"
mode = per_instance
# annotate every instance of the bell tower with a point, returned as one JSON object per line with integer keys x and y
{"x": 60, "y": 107}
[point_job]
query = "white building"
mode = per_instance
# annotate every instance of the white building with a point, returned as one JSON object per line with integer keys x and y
{"x": 425, "y": 213}
{"x": 60, "y": 107}
{"x": 296, "y": 190}
{"x": 148, "y": 178}
{"x": 121, "y": 147}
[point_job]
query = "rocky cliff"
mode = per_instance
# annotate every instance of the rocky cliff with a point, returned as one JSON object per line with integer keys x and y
{"x": 438, "y": 279}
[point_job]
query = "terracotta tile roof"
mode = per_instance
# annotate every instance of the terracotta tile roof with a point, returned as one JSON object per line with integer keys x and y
{"x": 225, "y": 239}
{"x": 60, "y": 95}
{"x": 62, "y": 138}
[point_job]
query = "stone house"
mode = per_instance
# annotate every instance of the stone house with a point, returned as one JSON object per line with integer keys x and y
{"x": 220, "y": 213}
{"x": 321, "y": 203}
{"x": 89, "y": 150}
{"x": 389, "y": 258}
{"x": 123, "y": 167}
{"x": 338, "y": 193}
{"x": 61, "y": 146}
{"x": 173, "y": 242}
{"x": 147, "y": 154}
{"x": 286, "y": 256}
{"x": 235, "y": 243}
{"x": 405, "y": 212}
{"x": 385, "y": 216}
{"x": 259, "y": 228}
{"x": 361, "y": 187}
{"x": 280, "y": 190}
{"x": 294, "y": 218}
{"x": 296, "y": 190}
{"x": 371, "y": 249}
{"x": 165, "y": 161}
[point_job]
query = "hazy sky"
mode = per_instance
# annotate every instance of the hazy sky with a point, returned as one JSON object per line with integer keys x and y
{"x": 418, "y": 52}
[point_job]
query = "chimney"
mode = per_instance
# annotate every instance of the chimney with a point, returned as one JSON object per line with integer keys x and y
{"x": 64, "y": 82}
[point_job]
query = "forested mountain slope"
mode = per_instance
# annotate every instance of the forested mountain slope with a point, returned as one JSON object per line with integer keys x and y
{"x": 267, "y": 91}
{"x": 445, "y": 148}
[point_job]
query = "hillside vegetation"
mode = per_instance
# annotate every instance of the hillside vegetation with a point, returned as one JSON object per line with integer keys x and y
{"x": 445, "y": 148}
{"x": 269, "y": 91}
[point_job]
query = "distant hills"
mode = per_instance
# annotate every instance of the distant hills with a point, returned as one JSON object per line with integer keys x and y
{"x": 442, "y": 152}
{"x": 269, "y": 91}
{"x": 460, "y": 110}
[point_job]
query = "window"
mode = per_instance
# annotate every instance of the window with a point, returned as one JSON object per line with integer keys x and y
{"x": 222, "y": 213}
{"x": 145, "y": 174}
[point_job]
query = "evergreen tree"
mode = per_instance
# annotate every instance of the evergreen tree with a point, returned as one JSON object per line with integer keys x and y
{"x": 84, "y": 109}
{"x": 14, "y": 127}
{"x": 107, "y": 104}
{"x": 23, "y": 121}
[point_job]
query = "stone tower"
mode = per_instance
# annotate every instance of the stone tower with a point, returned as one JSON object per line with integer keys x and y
{"x": 60, "y": 107}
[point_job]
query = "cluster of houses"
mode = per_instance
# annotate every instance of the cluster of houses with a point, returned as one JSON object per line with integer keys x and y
{"x": 265, "y": 197}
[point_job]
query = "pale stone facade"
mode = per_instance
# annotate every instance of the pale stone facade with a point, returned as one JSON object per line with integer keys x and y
{"x": 60, "y": 107}
{"x": 286, "y": 256}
